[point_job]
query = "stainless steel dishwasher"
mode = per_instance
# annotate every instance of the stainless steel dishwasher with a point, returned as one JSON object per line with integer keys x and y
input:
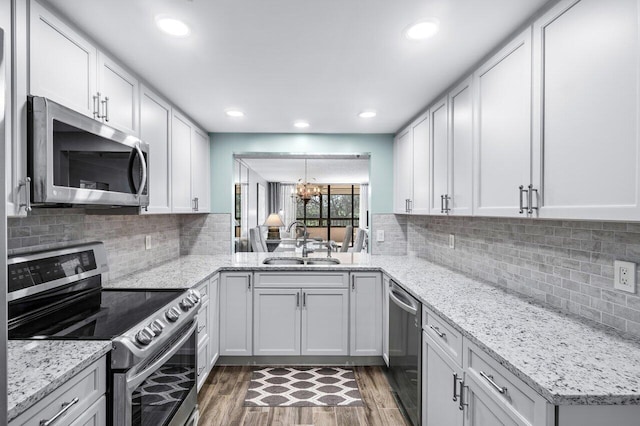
{"x": 405, "y": 333}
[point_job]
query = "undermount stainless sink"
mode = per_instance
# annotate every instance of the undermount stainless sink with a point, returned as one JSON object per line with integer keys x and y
{"x": 301, "y": 261}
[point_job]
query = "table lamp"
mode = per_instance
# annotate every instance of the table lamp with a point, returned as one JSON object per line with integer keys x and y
{"x": 274, "y": 223}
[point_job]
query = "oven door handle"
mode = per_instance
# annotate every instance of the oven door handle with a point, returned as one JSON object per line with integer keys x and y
{"x": 401, "y": 304}
{"x": 135, "y": 381}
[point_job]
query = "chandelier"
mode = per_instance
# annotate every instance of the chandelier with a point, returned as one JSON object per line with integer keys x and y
{"x": 304, "y": 190}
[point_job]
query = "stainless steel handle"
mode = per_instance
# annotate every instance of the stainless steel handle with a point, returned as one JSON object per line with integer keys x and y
{"x": 404, "y": 306}
{"x": 200, "y": 370}
{"x": 27, "y": 193}
{"x": 143, "y": 162}
{"x": 201, "y": 328}
{"x": 96, "y": 105}
{"x": 197, "y": 204}
{"x": 353, "y": 282}
{"x": 406, "y": 205}
{"x": 442, "y": 204}
{"x": 522, "y": 191}
{"x": 462, "y": 403}
{"x": 135, "y": 381}
{"x": 446, "y": 203}
{"x": 304, "y": 299}
{"x": 438, "y": 332}
{"x": 297, "y": 299}
{"x": 489, "y": 378}
{"x": 455, "y": 382}
{"x": 249, "y": 285}
{"x": 65, "y": 407}
{"x": 531, "y": 191}
{"x": 105, "y": 105}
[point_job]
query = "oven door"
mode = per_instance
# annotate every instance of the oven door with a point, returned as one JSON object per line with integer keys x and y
{"x": 160, "y": 390}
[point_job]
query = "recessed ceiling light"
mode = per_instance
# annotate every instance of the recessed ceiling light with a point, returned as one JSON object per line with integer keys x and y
{"x": 233, "y": 112}
{"x": 172, "y": 26}
{"x": 301, "y": 124}
{"x": 367, "y": 114}
{"x": 423, "y": 29}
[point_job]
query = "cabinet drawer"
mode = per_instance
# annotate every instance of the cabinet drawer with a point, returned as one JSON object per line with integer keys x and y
{"x": 203, "y": 288}
{"x": 96, "y": 415}
{"x": 504, "y": 387}
{"x": 309, "y": 279}
{"x": 447, "y": 337}
{"x": 87, "y": 386}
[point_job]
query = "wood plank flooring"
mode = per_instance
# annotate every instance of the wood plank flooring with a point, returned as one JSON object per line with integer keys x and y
{"x": 221, "y": 402}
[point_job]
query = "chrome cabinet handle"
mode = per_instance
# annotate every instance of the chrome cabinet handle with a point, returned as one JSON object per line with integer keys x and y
{"x": 65, "y": 407}
{"x": 304, "y": 299}
{"x": 489, "y": 378}
{"x": 455, "y": 382}
{"x": 96, "y": 105}
{"x": 522, "y": 206}
{"x": 197, "y": 204}
{"x": 353, "y": 282}
{"x": 410, "y": 205}
{"x": 200, "y": 370}
{"x": 446, "y": 203}
{"x": 105, "y": 108}
{"x": 26, "y": 182}
{"x": 442, "y": 204}
{"x": 530, "y": 199}
{"x": 297, "y": 299}
{"x": 201, "y": 328}
{"x": 462, "y": 403}
{"x": 438, "y": 332}
{"x": 249, "y": 286}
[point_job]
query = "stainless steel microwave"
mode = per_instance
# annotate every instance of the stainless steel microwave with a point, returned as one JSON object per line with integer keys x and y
{"x": 74, "y": 159}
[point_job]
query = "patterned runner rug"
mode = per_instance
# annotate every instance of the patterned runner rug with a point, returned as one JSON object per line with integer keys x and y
{"x": 303, "y": 387}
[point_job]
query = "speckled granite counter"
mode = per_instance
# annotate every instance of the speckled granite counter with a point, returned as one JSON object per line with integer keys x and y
{"x": 563, "y": 358}
{"x": 37, "y": 367}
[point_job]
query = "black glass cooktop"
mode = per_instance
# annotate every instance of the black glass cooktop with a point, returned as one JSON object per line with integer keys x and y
{"x": 91, "y": 314}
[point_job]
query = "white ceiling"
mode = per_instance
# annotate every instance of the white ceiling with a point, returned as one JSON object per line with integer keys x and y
{"x": 319, "y": 170}
{"x": 283, "y": 60}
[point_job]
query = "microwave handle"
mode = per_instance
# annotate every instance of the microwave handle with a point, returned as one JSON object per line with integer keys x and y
{"x": 144, "y": 171}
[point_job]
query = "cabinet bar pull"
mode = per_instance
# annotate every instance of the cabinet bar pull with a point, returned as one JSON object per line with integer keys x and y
{"x": 27, "y": 193}
{"x": 96, "y": 105}
{"x": 437, "y": 330}
{"x": 297, "y": 299}
{"x": 200, "y": 370}
{"x": 201, "y": 328}
{"x": 522, "y": 206}
{"x": 410, "y": 205}
{"x": 353, "y": 282}
{"x": 489, "y": 378}
{"x": 304, "y": 299}
{"x": 455, "y": 382}
{"x": 65, "y": 407}
{"x": 105, "y": 103}
{"x": 446, "y": 204}
{"x": 442, "y": 204}
{"x": 249, "y": 286}
{"x": 531, "y": 191}
{"x": 462, "y": 403}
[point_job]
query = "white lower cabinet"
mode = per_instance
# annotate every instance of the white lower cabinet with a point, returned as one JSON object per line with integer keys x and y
{"x": 214, "y": 320}
{"x": 482, "y": 410}
{"x": 276, "y": 321}
{"x": 325, "y": 322}
{"x": 385, "y": 319}
{"x": 366, "y": 314}
{"x": 236, "y": 314}
{"x": 87, "y": 389}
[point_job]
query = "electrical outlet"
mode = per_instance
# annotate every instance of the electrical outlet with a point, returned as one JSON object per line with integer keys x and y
{"x": 147, "y": 242}
{"x": 624, "y": 276}
{"x": 380, "y": 235}
{"x": 452, "y": 241}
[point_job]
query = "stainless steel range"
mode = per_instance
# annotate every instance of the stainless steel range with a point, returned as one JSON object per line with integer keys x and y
{"x": 59, "y": 295}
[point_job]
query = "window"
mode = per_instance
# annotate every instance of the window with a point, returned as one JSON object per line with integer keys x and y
{"x": 328, "y": 215}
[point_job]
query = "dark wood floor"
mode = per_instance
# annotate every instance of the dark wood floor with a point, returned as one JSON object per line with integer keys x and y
{"x": 222, "y": 396}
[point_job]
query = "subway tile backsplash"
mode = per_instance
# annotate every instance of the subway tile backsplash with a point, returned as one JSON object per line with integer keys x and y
{"x": 123, "y": 235}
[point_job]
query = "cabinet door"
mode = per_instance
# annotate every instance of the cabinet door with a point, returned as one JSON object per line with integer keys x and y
{"x": 181, "y": 201}
{"x": 439, "y": 166}
{"x": 502, "y": 141}
{"x": 461, "y": 149}
{"x": 366, "y": 314}
{"x": 276, "y": 321}
{"x": 119, "y": 92}
{"x": 586, "y": 110}
{"x": 155, "y": 129}
{"x": 325, "y": 322}
{"x": 62, "y": 63}
{"x": 214, "y": 321}
{"x": 235, "y": 314}
{"x": 203, "y": 365}
{"x": 420, "y": 200}
{"x": 440, "y": 386}
{"x": 96, "y": 415}
{"x": 200, "y": 171}
{"x": 484, "y": 411}
{"x": 403, "y": 171}
{"x": 385, "y": 319}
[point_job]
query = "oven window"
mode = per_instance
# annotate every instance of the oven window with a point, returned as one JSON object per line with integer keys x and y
{"x": 157, "y": 399}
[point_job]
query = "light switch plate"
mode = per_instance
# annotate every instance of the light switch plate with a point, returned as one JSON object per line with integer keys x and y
{"x": 624, "y": 276}
{"x": 147, "y": 242}
{"x": 380, "y": 235}
{"x": 452, "y": 241}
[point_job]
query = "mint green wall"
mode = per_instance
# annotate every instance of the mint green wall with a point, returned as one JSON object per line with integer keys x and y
{"x": 224, "y": 145}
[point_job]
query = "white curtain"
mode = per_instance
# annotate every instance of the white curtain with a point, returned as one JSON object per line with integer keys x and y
{"x": 364, "y": 205}
{"x": 288, "y": 204}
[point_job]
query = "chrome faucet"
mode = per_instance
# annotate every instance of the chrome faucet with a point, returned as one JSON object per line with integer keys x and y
{"x": 305, "y": 251}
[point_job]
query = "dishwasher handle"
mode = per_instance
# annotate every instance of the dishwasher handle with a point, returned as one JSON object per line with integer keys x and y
{"x": 397, "y": 296}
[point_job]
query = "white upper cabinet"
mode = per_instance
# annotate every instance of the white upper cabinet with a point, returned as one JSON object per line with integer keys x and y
{"x": 70, "y": 81}
{"x": 461, "y": 149}
{"x": 200, "y": 180}
{"x": 586, "y": 110}
{"x": 420, "y": 196}
{"x": 155, "y": 129}
{"x": 118, "y": 92}
{"x": 502, "y": 125}
{"x": 439, "y": 165}
{"x": 403, "y": 171}
{"x": 181, "y": 132}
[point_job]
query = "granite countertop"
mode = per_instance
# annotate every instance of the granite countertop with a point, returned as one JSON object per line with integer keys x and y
{"x": 565, "y": 359}
{"x": 37, "y": 367}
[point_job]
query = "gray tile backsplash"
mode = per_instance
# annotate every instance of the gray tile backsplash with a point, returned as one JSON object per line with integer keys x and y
{"x": 123, "y": 235}
{"x": 395, "y": 234}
